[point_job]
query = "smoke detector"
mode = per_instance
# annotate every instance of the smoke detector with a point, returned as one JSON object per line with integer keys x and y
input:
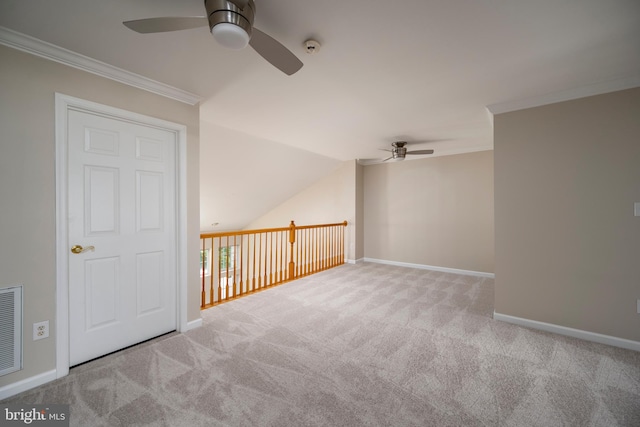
{"x": 311, "y": 46}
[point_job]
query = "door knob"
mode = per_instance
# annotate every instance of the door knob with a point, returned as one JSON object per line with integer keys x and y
{"x": 77, "y": 249}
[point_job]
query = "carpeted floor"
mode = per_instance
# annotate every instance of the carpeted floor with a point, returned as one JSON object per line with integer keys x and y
{"x": 358, "y": 345}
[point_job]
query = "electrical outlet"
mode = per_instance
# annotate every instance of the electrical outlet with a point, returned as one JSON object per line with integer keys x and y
{"x": 40, "y": 330}
{"x": 638, "y": 307}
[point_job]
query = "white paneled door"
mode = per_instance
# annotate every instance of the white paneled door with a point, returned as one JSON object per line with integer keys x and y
{"x": 121, "y": 232}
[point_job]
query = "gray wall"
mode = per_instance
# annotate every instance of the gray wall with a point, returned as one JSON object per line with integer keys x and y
{"x": 434, "y": 211}
{"x": 27, "y": 183}
{"x": 359, "y": 212}
{"x": 567, "y": 242}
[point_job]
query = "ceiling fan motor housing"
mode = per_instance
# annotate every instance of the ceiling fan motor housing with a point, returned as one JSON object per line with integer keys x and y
{"x": 399, "y": 150}
{"x": 227, "y": 12}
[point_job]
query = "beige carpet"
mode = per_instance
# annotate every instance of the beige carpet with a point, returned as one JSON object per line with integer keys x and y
{"x": 358, "y": 345}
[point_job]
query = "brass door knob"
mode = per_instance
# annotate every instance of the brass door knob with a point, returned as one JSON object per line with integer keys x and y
{"x": 77, "y": 249}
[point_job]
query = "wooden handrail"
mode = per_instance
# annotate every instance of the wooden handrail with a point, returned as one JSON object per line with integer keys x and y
{"x": 265, "y": 230}
{"x": 237, "y": 263}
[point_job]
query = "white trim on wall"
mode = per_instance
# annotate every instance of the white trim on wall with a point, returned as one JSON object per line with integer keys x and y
{"x": 193, "y": 325}
{"x": 567, "y": 95}
{"x": 62, "y": 105}
{"x": 570, "y": 332}
{"x": 55, "y": 53}
{"x": 431, "y": 267}
{"x": 27, "y": 384}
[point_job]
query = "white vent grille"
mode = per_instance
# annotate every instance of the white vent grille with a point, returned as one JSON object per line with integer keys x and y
{"x": 10, "y": 329}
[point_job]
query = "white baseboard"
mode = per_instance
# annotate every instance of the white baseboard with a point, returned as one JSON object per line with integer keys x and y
{"x": 432, "y": 267}
{"x": 193, "y": 324}
{"x": 27, "y": 384}
{"x": 570, "y": 332}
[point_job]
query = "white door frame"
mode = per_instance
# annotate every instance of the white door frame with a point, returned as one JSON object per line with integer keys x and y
{"x": 63, "y": 104}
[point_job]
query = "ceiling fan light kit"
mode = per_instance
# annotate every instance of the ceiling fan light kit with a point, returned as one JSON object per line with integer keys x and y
{"x": 229, "y": 24}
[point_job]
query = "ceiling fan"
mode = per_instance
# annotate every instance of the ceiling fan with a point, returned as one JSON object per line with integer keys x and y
{"x": 398, "y": 153}
{"x": 231, "y": 24}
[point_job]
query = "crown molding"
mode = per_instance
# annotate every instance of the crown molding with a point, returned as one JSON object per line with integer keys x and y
{"x": 600, "y": 88}
{"x": 58, "y": 54}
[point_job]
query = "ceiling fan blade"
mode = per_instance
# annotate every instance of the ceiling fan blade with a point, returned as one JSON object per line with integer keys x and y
{"x": 420, "y": 152}
{"x": 274, "y": 52}
{"x": 164, "y": 24}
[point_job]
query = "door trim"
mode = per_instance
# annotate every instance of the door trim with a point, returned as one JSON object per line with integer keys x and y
{"x": 64, "y": 103}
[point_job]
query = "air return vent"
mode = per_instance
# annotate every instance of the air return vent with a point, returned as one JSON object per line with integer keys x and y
{"x": 10, "y": 329}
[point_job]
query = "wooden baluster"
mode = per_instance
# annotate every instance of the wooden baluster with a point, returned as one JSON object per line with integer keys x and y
{"x": 212, "y": 287}
{"x": 274, "y": 249}
{"x": 283, "y": 257}
{"x": 333, "y": 247}
{"x": 338, "y": 246}
{"x": 202, "y": 272}
{"x": 212, "y": 290}
{"x": 274, "y": 257}
{"x": 270, "y": 272}
{"x": 299, "y": 250}
{"x": 303, "y": 255}
{"x": 218, "y": 253}
{"x": 330, "y": 247}
{"x": 253, "y": 271}
{"x": 342, "y": 230}
{"x": 260, "y": 261}
{"x": 310, "y": 251}
{"x": 241, "y": 264}
{"x": 226, "y": 273}
{"x": 325, "y": 247}
{"x": 266, "y": 257}
{"x": 284, "y": 265}
{"x": 325, "y": 243}
{"x": 320, "y": 231}
{"x": 306, "y": 252}
{"x": 234, "y": 291}
{"x": 318, "y": 249}
{"x": 278, "y": 256}
{"x": 292, "y": 240}
{"x": 310, "y": 259}
{"x": 300, "y": 246}
{"x": 281, "y": 270}
{"x": 331, "y": 243}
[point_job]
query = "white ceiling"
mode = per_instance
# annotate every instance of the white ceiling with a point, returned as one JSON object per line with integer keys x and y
{"x": 387, "y": 70}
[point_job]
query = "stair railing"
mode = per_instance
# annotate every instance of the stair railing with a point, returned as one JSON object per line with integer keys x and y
{"x": 237, "y": 263}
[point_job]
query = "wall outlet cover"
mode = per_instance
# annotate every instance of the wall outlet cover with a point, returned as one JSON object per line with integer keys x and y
{"x": 40, "y": 330}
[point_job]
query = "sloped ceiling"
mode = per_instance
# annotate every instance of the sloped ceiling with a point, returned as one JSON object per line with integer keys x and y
{"x": 242, "y": 177}
{"x": 408, "y": 69}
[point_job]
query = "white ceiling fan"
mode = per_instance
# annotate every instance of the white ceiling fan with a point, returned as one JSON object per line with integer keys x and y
{"x": 398, "y": 153}
{"x": 231, "y": 24}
